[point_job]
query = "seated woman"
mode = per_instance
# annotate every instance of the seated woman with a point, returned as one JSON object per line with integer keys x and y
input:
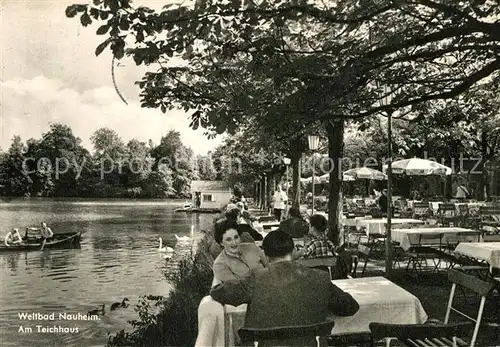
{"x": 236, "y": 258}
{"x": 318, "y": 245}
{"x": 13, "y": 238}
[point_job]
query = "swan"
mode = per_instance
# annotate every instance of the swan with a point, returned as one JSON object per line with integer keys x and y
{"x": 164, "y": 249}
{"x": 182, "y": 238}
{"x": 115, "y": 305}
{"x": 161, "y": 248}
{"x": 97, "y": 311}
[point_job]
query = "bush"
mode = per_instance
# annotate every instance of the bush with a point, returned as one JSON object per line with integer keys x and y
{"x": 176, "y": 324}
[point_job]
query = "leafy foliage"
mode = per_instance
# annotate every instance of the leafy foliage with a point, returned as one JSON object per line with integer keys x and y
{"x": 285, "y": 68}
{"x": 58, "y": 165}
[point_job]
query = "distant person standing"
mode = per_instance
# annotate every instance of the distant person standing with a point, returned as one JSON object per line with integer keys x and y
{"x": 280, "y": 199}
{"x": 462, "y": 191}
{"x": 198, "y": 199}
{"x": 382, "y": 201}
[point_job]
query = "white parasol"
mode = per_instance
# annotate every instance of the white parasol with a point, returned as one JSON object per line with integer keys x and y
{"x": 365, "y": 173}
{"x": 419, "y": 167}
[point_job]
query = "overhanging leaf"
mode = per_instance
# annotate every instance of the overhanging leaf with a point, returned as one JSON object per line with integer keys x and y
{"x": 101, "y": 47}
{"x": 71, "y": 11}
{"x": 102, "y": 30}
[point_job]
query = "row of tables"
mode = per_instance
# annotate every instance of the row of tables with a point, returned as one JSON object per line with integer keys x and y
{"x": 405, "y": 232}
{"x": 380, "y": 300}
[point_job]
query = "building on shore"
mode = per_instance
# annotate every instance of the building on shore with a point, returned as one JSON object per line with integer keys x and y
{"x": 210, "y": 194}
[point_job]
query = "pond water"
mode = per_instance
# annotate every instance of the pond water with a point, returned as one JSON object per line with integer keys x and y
{"x": 118, "y": 258}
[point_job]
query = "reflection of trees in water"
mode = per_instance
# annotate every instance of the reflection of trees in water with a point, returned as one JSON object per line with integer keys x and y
{"x": 45, "y": 259}
{"x": 12, "y": 260}
{"x": 54, "y": 259}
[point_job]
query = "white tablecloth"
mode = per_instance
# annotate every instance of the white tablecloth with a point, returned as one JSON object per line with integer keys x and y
{"x": 488, "y": 251}
{"x": 434, "y": 205}
{"x": 380, "y": 300}
{"x": 378, "y": 225}
{"x": 407, "y": 237}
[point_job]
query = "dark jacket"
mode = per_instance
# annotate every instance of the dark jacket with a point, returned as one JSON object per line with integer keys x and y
{"x": 296, "y": 227}
{"x": 382, "y": 203}
{"x": 286, "y": 294}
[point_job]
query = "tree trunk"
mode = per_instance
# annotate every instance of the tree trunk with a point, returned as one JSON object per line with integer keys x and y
{"x": 483, "y": 180}
{"x": 295, "y": 155}
{"x": 335, "y": 133}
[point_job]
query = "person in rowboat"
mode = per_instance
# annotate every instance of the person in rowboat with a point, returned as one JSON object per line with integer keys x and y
{"x": 45, "y": 232}
{"x": 13, "y": 238}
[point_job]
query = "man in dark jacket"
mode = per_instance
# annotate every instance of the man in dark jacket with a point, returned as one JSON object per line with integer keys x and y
{"x": 295, "y": 225}
{"x": 286, "y": 293}
{"x": 382, "y": 201}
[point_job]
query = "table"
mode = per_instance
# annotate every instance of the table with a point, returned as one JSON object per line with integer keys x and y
{"x": 487, "y": 251}
{"x": 261, "y": 227}
{"x": 380, "y": 300}
{"x": 409, "y": 237}
{"x": 378, "y": 225}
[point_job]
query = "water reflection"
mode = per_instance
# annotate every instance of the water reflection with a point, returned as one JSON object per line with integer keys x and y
{"x": 118, "y": 258}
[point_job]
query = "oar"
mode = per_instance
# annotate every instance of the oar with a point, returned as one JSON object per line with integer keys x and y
{"x": 43, "y": 244}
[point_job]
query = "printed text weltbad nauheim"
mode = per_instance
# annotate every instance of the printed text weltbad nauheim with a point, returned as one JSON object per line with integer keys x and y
{"x": 53, "y": 316}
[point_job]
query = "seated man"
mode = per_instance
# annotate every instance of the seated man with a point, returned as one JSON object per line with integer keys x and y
{"x": 13, "y": 238}
{"x": 319, "y": 245}
{"x": 295, "y": 225}
{"x": 46, "y": 232}
{"x": 285, "y": 293}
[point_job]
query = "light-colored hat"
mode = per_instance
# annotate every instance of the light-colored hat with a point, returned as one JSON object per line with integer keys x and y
{"x": 231, "y": 207}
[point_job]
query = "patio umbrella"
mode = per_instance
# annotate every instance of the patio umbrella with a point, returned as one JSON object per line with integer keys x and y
{"x": 365, "y": 173}
{"x": 419, "y": 167}
{"x": 309, "y": 180}
{"x": 326, "y": 178}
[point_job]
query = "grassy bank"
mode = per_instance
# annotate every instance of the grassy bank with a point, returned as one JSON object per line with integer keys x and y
{"x": 173, "y": 320}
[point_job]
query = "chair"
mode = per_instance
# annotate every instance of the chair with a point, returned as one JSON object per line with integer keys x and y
{"x": 362, "y": 339}
{"x": 422, "y": 335}
{"x": 423, "y": 251}
{"x": 323, "y": 263}
{"x": 421, "y": 210}
{"x": 463, "y": 210}
{"x": 482, "y": 288}
{"x": 490, "y": 222}
{"x": 363, "y": 252}
{"x": 288, "y": 336}
{"x": 446, "y": 215}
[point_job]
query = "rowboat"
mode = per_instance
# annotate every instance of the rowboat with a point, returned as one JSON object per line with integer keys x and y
{"x": 59, "y": 240}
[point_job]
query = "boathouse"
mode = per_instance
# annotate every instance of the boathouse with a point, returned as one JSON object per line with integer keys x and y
{"x": 210, "y": 194}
